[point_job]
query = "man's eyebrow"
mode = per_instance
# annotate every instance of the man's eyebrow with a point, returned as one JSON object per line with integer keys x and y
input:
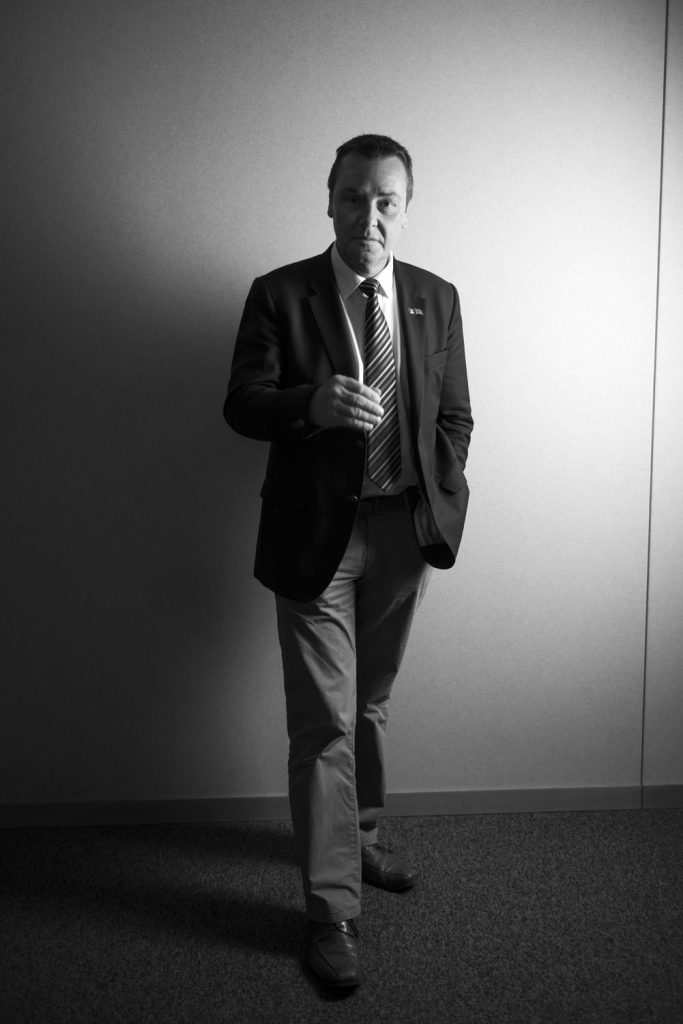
{"x": 358, "y": 191}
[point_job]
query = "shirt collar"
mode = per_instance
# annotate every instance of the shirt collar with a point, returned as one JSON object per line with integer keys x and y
{"x": 348, "y": 280}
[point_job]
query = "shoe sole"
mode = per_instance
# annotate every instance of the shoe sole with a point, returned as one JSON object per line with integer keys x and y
{"x": 338, "y": 984}
{"x": 332, "y": 982}
{"x": 380, "y": 882}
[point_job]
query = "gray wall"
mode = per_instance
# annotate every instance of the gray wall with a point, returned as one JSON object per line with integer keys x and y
{"x": 162, "y": 155}
{"x": 663, "y": 734}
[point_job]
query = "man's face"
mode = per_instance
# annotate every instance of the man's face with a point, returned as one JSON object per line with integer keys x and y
{"x": 368, "y": 210}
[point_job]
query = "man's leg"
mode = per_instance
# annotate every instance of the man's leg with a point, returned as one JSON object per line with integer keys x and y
{"x": 317, "y": 640}
{"x": 394, "y": 583}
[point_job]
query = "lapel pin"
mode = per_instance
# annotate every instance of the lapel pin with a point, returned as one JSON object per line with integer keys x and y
{"x": 415, "y": 311}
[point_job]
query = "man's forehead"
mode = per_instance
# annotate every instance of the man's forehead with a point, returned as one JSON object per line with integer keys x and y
{"x": 385, "y": 173}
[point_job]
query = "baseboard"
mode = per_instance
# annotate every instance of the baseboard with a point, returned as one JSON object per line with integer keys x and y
{"x": 276, "y": 808}
{"x": 145, "y": 812}
{"x": 513, "y": 801}
{"x": 660, "y": 797}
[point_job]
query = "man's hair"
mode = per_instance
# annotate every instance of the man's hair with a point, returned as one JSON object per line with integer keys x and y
{"x": 372, "y": 147}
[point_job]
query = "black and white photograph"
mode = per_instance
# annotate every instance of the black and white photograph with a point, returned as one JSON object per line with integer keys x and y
{"x": 342, "y": 674}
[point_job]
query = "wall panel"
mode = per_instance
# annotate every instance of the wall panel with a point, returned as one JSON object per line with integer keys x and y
{"x": 663, "y": 733}
{"x": 156, "y": 166}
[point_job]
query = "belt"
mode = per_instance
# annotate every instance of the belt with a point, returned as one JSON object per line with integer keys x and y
{"x": 385, "y": 502}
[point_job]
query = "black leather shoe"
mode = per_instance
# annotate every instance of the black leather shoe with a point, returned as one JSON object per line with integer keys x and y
{"x": 332, "y": 951}
{"x": 383, "y": 868}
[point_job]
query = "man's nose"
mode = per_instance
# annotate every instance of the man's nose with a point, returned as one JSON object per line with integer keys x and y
{"x": 368, "y": 213}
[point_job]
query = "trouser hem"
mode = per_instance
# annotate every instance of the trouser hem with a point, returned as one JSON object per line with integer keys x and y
{"x": 333, "y": 914}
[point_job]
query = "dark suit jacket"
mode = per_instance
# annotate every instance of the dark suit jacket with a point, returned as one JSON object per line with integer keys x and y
{"x": 292, "y": 337}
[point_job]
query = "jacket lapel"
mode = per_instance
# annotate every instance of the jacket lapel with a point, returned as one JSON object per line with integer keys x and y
{"x": 412, "y": 335}
{"x": 324, "y": 302}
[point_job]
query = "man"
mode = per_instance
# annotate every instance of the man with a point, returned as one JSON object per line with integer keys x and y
{"x": 352, "y": 366}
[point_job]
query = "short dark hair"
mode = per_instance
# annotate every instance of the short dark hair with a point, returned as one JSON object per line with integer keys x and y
{"x": 373, "y": 146}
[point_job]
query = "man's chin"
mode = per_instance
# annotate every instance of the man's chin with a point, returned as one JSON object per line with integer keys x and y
{"x": 365, "y": 259}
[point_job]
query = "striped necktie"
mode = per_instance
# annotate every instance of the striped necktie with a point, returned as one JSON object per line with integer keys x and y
{"x": 384, "y": 443}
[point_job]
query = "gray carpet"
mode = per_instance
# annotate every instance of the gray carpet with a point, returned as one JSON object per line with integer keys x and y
{"x": 529, "y": 918}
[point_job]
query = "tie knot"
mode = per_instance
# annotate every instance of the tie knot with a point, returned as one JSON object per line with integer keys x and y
{"x": 369, "y": 287}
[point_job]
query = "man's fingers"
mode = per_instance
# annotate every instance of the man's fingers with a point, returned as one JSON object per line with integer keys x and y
{"x": 368, "y": 402}
{"x": 355, "y": 387}
{"x": 350, "y": 383}
{"x": 344, "y": 401}
{"x": 362, "y": 413}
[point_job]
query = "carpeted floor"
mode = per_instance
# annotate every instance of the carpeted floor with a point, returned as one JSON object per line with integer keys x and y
{"x": 527, "y": 918}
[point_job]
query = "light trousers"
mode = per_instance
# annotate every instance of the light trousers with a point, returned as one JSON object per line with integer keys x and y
{"x": 340, "y": 654}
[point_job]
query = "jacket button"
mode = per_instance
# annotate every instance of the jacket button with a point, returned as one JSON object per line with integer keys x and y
{"x": 298, "y": 424}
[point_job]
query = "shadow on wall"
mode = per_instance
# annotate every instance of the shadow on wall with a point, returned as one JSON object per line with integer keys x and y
{"x": 134, "y": 512}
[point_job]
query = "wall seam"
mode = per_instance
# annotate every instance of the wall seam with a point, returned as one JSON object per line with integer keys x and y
{"x": 654, "y": 400}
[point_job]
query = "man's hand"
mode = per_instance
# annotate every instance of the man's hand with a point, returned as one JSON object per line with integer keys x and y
{"x": 345, "y": 402}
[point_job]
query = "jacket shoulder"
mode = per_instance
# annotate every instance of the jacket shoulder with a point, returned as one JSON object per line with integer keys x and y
{"x": 299, "y": 272}
{"x": 417, "y": 277}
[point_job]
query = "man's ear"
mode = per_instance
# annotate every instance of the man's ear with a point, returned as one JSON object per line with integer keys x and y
{"x": 329, "y": 207}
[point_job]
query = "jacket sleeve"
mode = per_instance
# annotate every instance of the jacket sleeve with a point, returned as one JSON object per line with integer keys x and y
{"x": 455, "y": 413}
{"x": 262, "y": 402}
